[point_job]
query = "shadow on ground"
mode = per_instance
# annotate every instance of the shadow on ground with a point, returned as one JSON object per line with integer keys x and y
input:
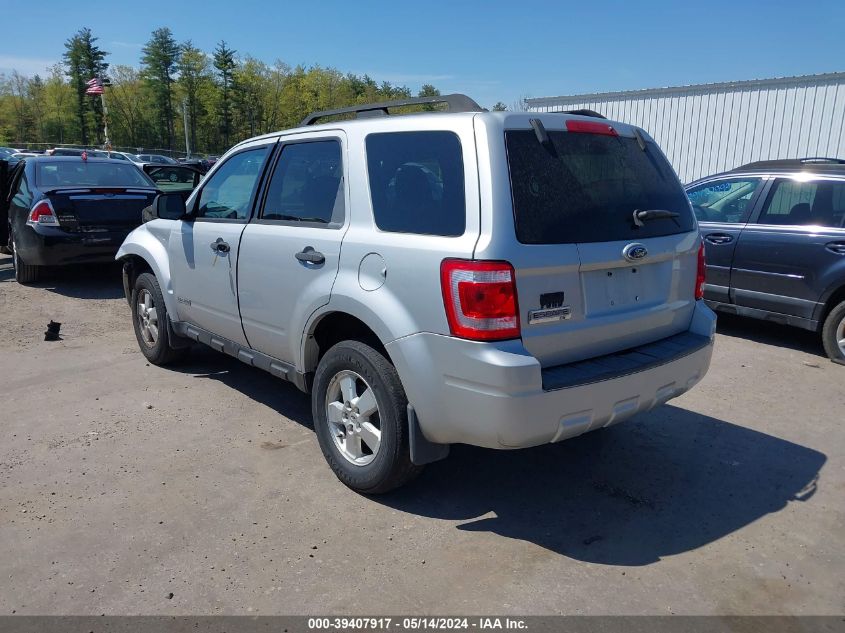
{"x": 769, "y": 333}
{"x": 664, "y": 483}
{"x": 667, "y": 482}
{"x": 100, "y": 281}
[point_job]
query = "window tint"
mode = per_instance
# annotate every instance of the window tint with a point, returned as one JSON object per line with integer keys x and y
{"x": 172, "y": 179}
{"x": 723, "y": 201}
{"x": 229, "y": 191}
{"x": 23, "y": 195}
{"x": 587, "y": 187}
{"x": 89, "y": 173}
{"x": 417, "y": 182}
{"x": 815, "y": 203}
{"x": 306, "y": 184}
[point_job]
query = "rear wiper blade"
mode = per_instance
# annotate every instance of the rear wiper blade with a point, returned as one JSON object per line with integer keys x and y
{"x": 641, "y": 217}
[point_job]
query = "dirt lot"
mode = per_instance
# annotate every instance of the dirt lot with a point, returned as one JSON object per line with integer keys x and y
{"x": 122, "y": 483}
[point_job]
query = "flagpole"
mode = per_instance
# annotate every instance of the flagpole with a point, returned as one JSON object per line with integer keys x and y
{"x": 105, "y": 114}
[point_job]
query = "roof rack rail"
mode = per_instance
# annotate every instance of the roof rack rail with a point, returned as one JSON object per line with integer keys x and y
{"x": 585, "y": 112}
{"x": 456, "y": 102}
{"x": 793, "y": 162}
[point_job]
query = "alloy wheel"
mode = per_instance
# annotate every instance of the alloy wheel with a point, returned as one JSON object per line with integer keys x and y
{"x": 147, "y": 318}
{"x": 353, "y": 416}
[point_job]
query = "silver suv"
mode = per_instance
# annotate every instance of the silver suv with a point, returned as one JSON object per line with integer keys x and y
{"x": 462, "y": 276}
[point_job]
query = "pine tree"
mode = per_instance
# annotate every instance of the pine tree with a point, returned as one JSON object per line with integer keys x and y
{"x": 84, "y": 60}
{"x": 224, "y": 62}
{"x": 159, "y": 62}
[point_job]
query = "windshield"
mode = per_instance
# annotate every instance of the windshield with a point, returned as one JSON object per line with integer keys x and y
{"x": 586, "y": 187}
{"x": 89, "y": 173}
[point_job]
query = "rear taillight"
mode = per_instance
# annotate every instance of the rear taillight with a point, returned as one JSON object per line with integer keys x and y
{"x": 42, "y": 213}
{"x": 480, "y": 299}
{"x": 590, "y": 127}
{"x": 699, "y": 277}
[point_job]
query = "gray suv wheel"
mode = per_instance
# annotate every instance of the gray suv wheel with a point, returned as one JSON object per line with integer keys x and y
{"x": 361, "y": 419}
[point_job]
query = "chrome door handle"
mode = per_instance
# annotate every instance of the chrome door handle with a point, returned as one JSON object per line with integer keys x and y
{"x": 718, "y": 238}
{"x": 836, "y": 247}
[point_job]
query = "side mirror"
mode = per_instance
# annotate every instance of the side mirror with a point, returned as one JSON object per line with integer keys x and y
{"x": 166, "y": 206}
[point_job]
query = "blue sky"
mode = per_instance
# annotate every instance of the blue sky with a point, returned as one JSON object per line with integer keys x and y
{"x": 493, "y": 51}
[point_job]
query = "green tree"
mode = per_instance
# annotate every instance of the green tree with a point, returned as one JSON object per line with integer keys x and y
{"x": 159, "y": 63}
{"x": 224, "y": 63}
{"x": 499, "y": 107}
{"x": 194, "y": 76}
{"x": 427, "y": 90}
{"x": 129, "y": 104}
{"x": 84, "y": 60}
{"x": 58, "y": 100}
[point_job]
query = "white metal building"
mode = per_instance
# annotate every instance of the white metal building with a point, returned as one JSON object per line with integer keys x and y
{"x": 709, "y": 128}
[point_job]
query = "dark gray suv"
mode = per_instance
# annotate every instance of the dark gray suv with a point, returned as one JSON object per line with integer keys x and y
{"x": 774, "y": 233}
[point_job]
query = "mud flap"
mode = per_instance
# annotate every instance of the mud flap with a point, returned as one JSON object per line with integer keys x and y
{"x": 422, "y": 451}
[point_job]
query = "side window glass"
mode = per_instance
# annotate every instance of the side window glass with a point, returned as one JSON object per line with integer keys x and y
{"x": 23, "y": 195}
{"x": 815, "y": 203}
{"x": 173, "y": 179}
{"x": 417, "y": 182}
{"x": 307, "y": 185}
{"x": 723, "y": 201}
{"x": 229, "y": 192}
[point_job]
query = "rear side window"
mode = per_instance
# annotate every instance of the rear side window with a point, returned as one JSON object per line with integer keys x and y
{"x": 417, "y": 182}
{"x": 814, "y": 203}
{"x": 306, "y": 185}
{"x": 72, "y": 173}
{"x": 587, "y": 186}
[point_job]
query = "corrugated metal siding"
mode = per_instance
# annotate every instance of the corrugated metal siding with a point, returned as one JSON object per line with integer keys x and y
{"x": 710, "y": 128}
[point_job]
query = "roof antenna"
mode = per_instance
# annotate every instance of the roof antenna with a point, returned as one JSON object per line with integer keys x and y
{"x": 542, "y": 135}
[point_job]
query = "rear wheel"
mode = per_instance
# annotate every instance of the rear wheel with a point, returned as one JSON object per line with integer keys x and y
{"x": 24, "y": 273}
{"x": 361, "y": 419}
{"x": 833, "y": 333}
{"x": 149, "y": 316}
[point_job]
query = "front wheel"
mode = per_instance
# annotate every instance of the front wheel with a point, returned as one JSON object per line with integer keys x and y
{"x": 361, "y": 419}
{"x": 833, "y": 334}
{"x": 149, "y": 316}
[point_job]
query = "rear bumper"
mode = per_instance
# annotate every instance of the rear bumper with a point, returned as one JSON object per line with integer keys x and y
{"x": 492, "y": 395}
{"x": 53, "y": 246}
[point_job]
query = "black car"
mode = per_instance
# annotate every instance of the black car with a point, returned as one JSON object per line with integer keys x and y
{"x": 66, "y": 210}
{"x": 774, "y": 234}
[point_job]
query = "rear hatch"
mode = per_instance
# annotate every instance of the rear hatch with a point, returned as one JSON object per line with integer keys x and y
{"x": 591, "y": 279}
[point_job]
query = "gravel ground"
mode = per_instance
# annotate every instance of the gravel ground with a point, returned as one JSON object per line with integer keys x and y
{"x": 131, "y": 489}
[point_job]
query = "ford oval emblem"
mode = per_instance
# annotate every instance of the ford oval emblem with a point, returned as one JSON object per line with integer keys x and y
{"x": 634, "y": 252}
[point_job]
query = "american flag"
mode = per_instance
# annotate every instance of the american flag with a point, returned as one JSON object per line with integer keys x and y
{"x": 95, "y": 86}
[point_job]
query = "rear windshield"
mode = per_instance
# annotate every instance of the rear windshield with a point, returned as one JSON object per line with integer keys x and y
{"x": 587, "y": 187}
{"x": 89, "y": 173}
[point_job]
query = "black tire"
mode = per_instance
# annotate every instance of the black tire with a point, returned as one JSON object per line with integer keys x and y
{"x": 391, "y": 466}
{"x": 24, "y": 273}
{"x": 157, "y": 350}
{"x": 833, "y": 331}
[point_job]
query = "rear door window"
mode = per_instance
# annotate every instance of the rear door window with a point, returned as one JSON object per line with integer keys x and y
{"x": 586, "y": 187}
{"x": 723, "y": 201}
{"x": 417, "y": 182}
{"x": 306, "y": 185}
{"x": 814, "y": 203}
